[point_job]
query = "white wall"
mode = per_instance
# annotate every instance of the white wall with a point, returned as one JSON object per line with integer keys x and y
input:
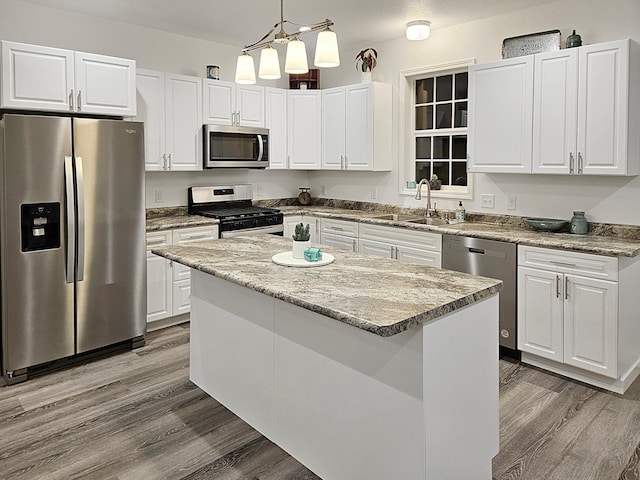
{"x": 604, "y": 199}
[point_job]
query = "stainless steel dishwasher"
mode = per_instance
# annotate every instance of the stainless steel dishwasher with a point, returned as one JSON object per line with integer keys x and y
{"x": 488, "y": 258}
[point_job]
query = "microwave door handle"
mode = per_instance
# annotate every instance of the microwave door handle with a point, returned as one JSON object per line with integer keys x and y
{"x": 80, "y": 190}
{"x": 260, "y": 148}
{"x": 71, "y": 219}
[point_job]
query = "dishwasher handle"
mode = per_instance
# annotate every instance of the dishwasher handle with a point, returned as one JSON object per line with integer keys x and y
{"x": 476, "y": 250}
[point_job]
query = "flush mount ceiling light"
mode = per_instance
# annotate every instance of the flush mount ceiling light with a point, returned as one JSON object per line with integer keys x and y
{"x": 418, "y": 30}
{"x": 296, "y": 58}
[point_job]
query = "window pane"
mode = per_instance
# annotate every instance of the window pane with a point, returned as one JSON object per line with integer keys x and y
{"x": 459, "y": 147}
{"x": 443, "y": 116}
{"x": 461, "y": 114}
{"x": 461, "y": 85}
{"x": 442, "y": 170}
{"x": 424, "y": 118}
{"x": 459, "y": 173}
{"x": 423, "y": 147}
{"x": 444, "y": 88}
{"x": 424, "y": 90}
{"x": 423, "y": 170}
{"x": 441, "y": 147}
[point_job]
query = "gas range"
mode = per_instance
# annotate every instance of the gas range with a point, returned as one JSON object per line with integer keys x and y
{"x": 232, "y": 206}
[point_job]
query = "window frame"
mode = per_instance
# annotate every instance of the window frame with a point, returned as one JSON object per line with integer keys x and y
{"x": 406, "y": 130}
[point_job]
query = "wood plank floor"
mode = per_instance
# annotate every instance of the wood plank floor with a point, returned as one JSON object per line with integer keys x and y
{"x": 135, "y": 415}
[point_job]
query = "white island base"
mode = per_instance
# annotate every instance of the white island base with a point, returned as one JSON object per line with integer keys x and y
{"x": 349, "y": 404}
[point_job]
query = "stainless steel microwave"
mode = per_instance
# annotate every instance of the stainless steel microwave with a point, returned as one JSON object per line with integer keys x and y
{"x": 235, "y": 147}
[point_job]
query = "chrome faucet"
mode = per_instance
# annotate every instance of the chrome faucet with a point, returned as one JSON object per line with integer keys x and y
{"x": 424, "y": 181}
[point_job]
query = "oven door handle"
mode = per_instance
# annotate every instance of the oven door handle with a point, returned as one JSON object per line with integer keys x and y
{"x": 260, "y": 148}
{"x": 253, "y": 231}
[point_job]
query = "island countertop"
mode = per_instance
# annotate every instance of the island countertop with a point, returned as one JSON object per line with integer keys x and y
{"x": 379, "y": 295}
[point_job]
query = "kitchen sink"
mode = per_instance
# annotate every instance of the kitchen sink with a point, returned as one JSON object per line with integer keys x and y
{"x": 396, "y": 217}
{"x": 427, "y": 221}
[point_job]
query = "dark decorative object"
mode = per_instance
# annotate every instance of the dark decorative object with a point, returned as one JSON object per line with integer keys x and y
{"x": 304, "y": 197}
{"x": 435, "y": 183}
{"x": 574, "y": 40}
{"x": 546, "y": 224}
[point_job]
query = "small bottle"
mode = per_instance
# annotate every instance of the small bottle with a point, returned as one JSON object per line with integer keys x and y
{"x": 461, "y": 215}
{"x": 579, "y": 224}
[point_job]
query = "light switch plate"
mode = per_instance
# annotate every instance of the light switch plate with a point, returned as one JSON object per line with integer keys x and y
{"x": 487, "y": 200}
{"x": 159, "y": 196}
{"x": 511, "y": 202}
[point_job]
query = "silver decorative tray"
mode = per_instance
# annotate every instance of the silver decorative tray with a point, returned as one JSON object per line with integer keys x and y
{"x": 530, "y": 44}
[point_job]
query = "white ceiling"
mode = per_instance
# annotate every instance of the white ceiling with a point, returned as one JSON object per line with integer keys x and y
{"x": 241, "y": 22}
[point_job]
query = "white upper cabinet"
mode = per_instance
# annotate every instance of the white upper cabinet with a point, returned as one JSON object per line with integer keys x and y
{"x": 356, "y": 127}
{"x": 226, "y": 103}
{"x": 171, "y": 109}
{"x": 500, "y": 116}
{"x": 571, "y": 111}
{"x": 276, "y": 122}
{"x": 53, "y": 79}
{"x": 304, "y": 119}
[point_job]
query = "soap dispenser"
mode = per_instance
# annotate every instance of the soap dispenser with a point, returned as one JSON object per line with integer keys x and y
{"x": 460, "y": 213}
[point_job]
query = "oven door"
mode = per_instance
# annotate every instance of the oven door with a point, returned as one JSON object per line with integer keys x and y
{"x": 270, "y": 230}
{"x": 235, "y": 147}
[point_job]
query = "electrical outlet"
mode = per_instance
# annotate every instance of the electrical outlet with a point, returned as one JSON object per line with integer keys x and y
{"x": 374, "y": 193}
{"x": 487, "y": 200}
{"x": 323, "y": 189}
{"x": 511, "y": 202}
{"x": 159, "y": 196}
{"x": 259, "y": 190}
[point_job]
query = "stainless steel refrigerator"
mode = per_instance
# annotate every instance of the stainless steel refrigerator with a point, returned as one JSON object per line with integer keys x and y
{"x": 72, "y": 239}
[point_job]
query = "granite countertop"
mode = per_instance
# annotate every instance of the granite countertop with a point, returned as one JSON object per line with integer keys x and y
{"x": 174, "y": 217}
{"x": 379, "y": 295}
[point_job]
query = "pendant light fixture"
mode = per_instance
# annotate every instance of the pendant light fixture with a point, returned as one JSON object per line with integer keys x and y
{"x": 326, "y": 55}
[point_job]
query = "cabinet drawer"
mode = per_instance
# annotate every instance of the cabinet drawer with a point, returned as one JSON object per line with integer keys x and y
{"x": 180, "y": 272}
{"x": 586, "y": 264}
{"x": 158, "y": 239}
{"x": 340, "y": 227}
{"x": 195, "y": 234}
{"x": 402, "y": 236}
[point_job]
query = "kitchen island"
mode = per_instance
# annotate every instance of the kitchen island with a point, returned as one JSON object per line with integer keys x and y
{"x": 362, "y": 369}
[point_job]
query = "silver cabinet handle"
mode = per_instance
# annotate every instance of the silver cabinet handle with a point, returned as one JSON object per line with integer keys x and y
{"x": 355, "y": 247}
{"x": 566, "y": 288}
{"x": 80, "y": 199}
{"x": 79, "y": 102}
{"x": 169, "y": 161}
{"x": 571, "y": 162}
{"x": 194, "y": 237}
{"x": 563, "y": 264}
{"x": 392, "y": 251}
{"x": 71, "y": 219}
{"x": 155, "y": 243}
{"x": 397, "y": 252}
{"x": 580, "y": 161}
{"x": 71, "y": 100}
{"x": 317, "y": 225}
{"x": 331, "y": 227}
{"x": 557, "y": 286}
{"x": 288, "y": 161}
{"x": 164, "y": 161}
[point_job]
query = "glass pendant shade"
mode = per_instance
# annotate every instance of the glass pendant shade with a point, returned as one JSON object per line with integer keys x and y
{"x": 245, "y": 70}
{"x": 327, "y": 54}
{"x": 296, "y": 59}
{"x": 269, "y": 64}
{"x": 418, "y": 30}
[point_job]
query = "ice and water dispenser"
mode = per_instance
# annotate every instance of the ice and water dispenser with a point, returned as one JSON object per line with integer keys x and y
{"x": 40, "y": 226}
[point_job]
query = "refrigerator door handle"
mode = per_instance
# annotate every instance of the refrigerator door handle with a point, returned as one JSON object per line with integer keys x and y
{"x": 80, "y": 193}
{"x": 71, "y": 219}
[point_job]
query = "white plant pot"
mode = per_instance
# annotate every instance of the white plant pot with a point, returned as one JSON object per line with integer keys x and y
{"x": 365, "y": 76}
{"x": 300, "y": 247}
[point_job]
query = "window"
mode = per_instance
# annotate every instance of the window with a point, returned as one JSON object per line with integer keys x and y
{"x": 435, "y": 128}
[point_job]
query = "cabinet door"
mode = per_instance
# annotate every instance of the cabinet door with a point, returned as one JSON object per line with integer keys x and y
{"x": 289, "y": 225}
{"x": 603, "y": 104}
{"x": 314, "y": 227}
{"x": 304, "y": 124}
{"x": 339, "y": 241}
{"x": 183, "y": 110}
{"x": 219, "y": 102}
{"x": 333, "y": 128}
{"x": 250, "y": 105}
{"x": 418, "y": 256}
{"x": 106, "y": 85}
{"x": 276, "y": 122}
{"x": 182, "y": 236}
{"x": 159, "y": 285}
{"x": 591, "y": 325}
{"x": 379, "y": 249}
{"x": 555, "y": 112}
{"x": 540, "y": 312}
{"x": 500, "y": 116}
{"x": 359, "y": 127}
{"x": 37, "y": 78}
{"x": 150, "y": 101}
{"x": 181, "y": 296}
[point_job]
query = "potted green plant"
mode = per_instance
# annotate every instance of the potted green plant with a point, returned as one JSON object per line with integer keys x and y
{"x": 301, "y": 241}
{"x": 435, "y": 183}
{"x": 366, "y": 61}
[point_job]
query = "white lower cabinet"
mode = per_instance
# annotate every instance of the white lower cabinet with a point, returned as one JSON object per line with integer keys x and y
{"x": 578, "y": 311}
{"x": 169, "y": 283}
{"x": 291, "y": 221}
{"x": 340, "y": 234}
{"x": 408, "y": 246}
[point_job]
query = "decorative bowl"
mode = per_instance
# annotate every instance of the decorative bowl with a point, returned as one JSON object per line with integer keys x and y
{"x": 546, "y": 224}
